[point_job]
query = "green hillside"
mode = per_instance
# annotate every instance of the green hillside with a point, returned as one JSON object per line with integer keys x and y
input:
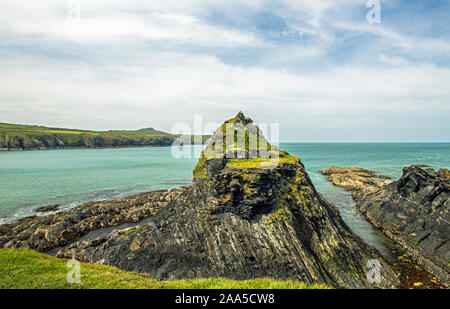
{"x": 30, "y": 137}
{"x": 27, "y": 269}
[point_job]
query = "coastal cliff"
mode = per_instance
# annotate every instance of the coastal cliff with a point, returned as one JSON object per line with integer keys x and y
{"x": 413, "y": 211}
{"x": 26, "y": 137}
{"x": 242, "y": 218}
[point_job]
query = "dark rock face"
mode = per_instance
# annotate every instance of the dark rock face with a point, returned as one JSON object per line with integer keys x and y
{"x": 414, "y": 211}
{"x": 242, "y": 223}
{"x": 261, "y": 223}
{"x": 83, "y": 141}
{"x": 55, "y": 230}
{"x": 240, "y": 219}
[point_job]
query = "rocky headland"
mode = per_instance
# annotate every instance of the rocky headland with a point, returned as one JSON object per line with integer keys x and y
{"x": 15, "y": 137}
{"x": 243, "y": 218}
{"x": 413, "y": 211}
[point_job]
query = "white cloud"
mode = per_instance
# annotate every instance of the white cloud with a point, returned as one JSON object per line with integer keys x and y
{"x": 393, "y": 38}
{"x": 131, "y": 64}
{"x": 175, "y": 83}
{"x": 102, "y": 22}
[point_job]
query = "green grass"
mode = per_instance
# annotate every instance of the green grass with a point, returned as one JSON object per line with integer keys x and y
{"x": 66, "y": 132}
{"x": 27, "y": 269}
{"x": 200, "y": 169}
{"x": 17, "y": 128}
{"x": 246, "y": 140}
{"x": 261, "y": 162}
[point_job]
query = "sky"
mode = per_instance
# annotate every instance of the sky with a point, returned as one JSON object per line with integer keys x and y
{"x": 317, "y": 68}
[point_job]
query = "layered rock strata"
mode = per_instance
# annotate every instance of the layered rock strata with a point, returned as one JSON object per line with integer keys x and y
{"x": 413, "y": 211}
{"x": 243, "y": 218}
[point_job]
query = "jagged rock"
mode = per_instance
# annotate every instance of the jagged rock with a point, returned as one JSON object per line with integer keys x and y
{"x": 354, "y": 178}
{"x": 44, "y": 233}
{"x": 413, "y": 211}
{"x": 421, "y": 165}
{"x": 242, "y": 219}
{"x": 48, "y": 208}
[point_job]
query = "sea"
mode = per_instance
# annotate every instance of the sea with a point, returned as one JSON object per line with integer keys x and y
{"x": 70, "y": 177}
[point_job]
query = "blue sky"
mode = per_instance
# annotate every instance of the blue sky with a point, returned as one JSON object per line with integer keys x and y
{"x": 318, "y": 68}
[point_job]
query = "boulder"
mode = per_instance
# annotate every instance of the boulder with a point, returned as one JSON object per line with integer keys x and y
{"x": 48, "y": 208}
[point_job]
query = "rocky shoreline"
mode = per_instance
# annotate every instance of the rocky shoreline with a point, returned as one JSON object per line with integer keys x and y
{"x": 413, "y": 211}
{"x": 136, "y": 210}
{"x": 241, "y": 219}
{"x": 44, "y": 233}
{"x": 60, "y": 232}
{"x": 15, "y": 137}
{"x": 200, "y": 235}
{"x": 251, "y": 218}
{"x": 166, "y": 144}
{"x": 83, "y": 147}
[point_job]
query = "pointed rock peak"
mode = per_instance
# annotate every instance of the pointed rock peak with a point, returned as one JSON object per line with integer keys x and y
{"x": 240, "y": 118}
{"x": 238, "y": 142}
{"x": 237, "y": 138}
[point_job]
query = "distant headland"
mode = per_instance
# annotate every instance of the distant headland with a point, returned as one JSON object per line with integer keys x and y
{"x": 34, "y": 137}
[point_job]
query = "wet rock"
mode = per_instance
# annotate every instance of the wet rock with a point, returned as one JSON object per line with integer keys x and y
{"x": 354, "y": 178}
{"x": 48, "y": 208}
{"x": 421, "y": 165}
{"x": 44, "y": 233}
{"x": 413, "y": 211}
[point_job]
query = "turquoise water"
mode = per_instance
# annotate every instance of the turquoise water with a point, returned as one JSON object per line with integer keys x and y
{"x": 70, "y": 177}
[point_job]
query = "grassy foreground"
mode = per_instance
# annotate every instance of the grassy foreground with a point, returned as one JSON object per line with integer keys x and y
{"x": 27, "y": 269}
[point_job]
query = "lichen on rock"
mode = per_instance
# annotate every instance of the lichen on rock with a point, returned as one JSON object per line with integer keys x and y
{"x": 239, "y": 143}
